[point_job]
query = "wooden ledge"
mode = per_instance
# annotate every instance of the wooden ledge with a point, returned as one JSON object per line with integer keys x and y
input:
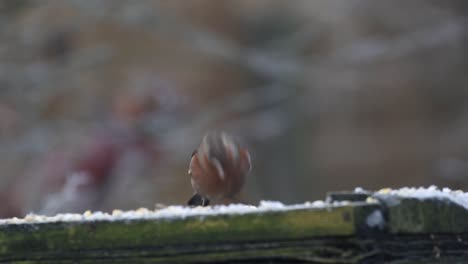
{"x": 349, "y": 228}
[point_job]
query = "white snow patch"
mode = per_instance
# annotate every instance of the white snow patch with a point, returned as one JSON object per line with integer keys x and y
{"x": 170, "y": 212}
{"x": 422, "y": 193}
{"x": 359, "y": 190}
{"x": 375, "y": 219}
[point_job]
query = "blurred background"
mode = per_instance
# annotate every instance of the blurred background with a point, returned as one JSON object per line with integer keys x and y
{"x": 103, "y": 101}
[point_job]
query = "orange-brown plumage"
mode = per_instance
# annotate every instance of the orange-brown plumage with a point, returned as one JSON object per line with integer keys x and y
{"x": 218, "y": 168}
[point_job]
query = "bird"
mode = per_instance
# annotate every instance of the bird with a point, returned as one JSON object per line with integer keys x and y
{"x": 218, "y": 169}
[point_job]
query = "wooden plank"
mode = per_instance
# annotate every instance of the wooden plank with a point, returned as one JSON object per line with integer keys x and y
{"x": 428, "y": 216}
{"x": 161, "y": 239}
{"x": 349, "y": 228}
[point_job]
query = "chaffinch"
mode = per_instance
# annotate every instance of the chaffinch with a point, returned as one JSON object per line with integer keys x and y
{"x": 217, "y": 169}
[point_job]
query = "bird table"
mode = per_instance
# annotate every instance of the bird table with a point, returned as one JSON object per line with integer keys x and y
{"x": 389, "y": 226}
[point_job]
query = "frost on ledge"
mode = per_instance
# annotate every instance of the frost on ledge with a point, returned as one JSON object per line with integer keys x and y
{"x": 170, "y": 212}
{"x": 391, "y": 196}
{"x": 433, "y": 192}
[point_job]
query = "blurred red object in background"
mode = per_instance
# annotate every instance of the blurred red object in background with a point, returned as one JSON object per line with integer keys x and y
{"x": 10, "y": 207}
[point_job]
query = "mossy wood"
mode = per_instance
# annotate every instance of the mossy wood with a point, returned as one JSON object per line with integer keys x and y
{"x": 411, "y": 231}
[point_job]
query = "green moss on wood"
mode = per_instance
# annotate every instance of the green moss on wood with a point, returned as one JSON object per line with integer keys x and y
{"x": 418, "y": 231}
{"x": 410, "y": 215}
{"x": 37, "y": 240}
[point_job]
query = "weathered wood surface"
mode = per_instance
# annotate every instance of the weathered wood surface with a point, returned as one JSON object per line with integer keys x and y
{"x": 411, "y": 231}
